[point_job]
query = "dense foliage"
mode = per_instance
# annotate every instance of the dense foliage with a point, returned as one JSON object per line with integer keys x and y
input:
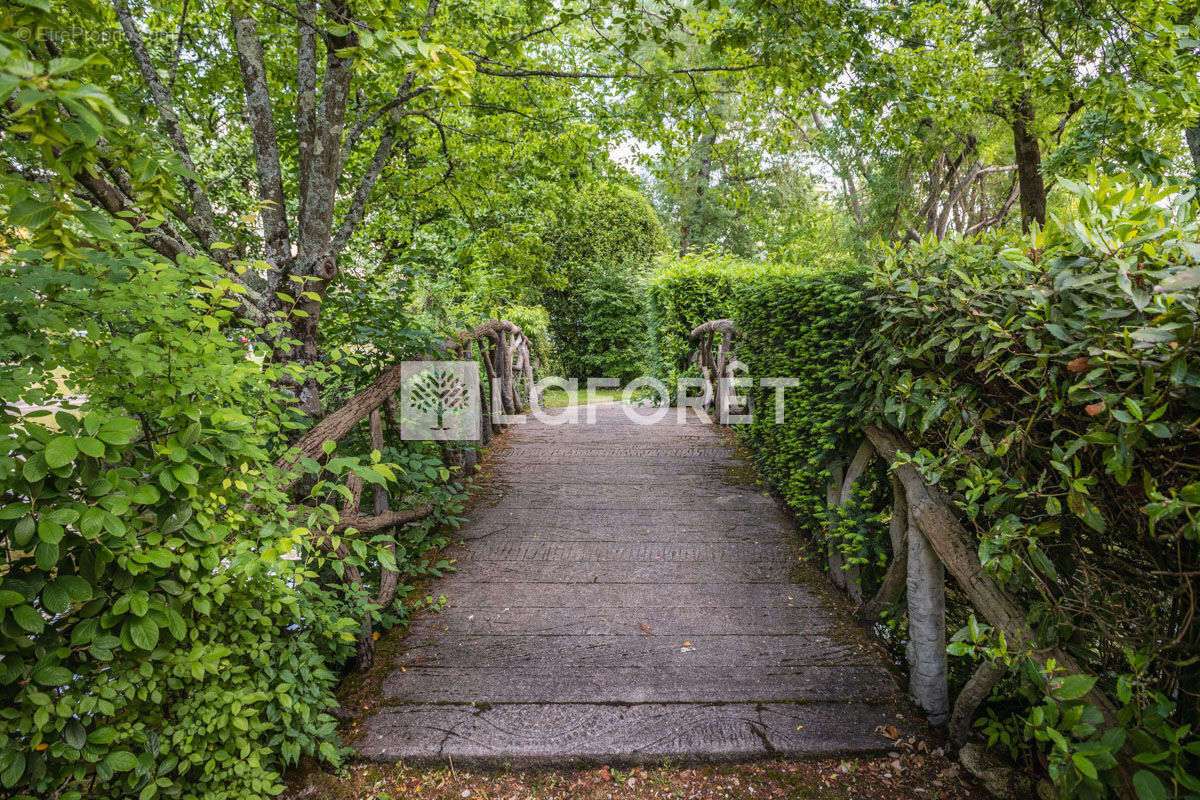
{"x": 603, "y": 246}
{"x": 171, "y": 621}
{"x": 1053, "y": 385}
{"x": 221, "y": 220}
{"x": 154, "y": 634}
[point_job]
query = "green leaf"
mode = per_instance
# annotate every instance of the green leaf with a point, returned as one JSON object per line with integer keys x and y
{"x": 139, "y": 604}
{"x": 78, "y": 589}
{"x": 145, "y": 495}
{"x": 52, "y": 676}
{"x": 34, "y": 468}
{"x": 29, "y": 618}
{"x": 1147, "y": 786}
{"x": 55, "y": 598}
{"x": 1058, "y": 331}
{"x": 46, "y": 556}
{"x": 103, "y": 736}
{"x": 120, "y": 761}
{"x": 74, "y": 734}
{"x": 50, "y": 532}
{"x": 186, "y": 474}
{"x": 1084, "y": 765}
{"x": 15, "y": 769}
{"x": 117, "y": 430}
{"x": 143, "y": 632}
{"x": 60, "y": 451}
{"x": 1072, "y": 687}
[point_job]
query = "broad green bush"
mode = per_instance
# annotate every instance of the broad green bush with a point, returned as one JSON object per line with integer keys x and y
{"x": 156, "y": 641}
{"x": 1052, "y": 386}
{"x": 168, "y": 625}
{"x": 604, "y": 244}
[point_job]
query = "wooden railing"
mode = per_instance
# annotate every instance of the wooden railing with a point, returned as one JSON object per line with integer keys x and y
{"x": 927, "y": 540}
{"x": 507, "y": 386}
{"x": 716, "y": 365}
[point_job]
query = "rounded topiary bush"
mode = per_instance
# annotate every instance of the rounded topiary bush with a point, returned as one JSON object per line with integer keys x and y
{"x": 604, "y": 244}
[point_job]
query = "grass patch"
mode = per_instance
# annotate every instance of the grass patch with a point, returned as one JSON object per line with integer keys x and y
{"x": 555, "y": 397}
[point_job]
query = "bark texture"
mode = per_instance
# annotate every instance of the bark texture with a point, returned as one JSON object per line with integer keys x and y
{"x": 896, "y": 577}
{"x": 926, "y": 586}
{"x": 976, "y": 690}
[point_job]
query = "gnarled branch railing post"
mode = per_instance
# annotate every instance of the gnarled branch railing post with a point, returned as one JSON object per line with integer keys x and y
{"x": 716, "y": 368}
{"x": 507, "y": 341}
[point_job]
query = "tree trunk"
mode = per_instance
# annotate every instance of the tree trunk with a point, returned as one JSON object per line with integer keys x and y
{"x": 692, "y": 214}
{"x": 1193, "y": 143}
{"x": 1029, "y": 163}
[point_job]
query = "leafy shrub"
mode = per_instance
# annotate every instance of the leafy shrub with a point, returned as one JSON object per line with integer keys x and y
{"x": 604, "y": 244}
{"x": 1053, "y": 386}
{"x": 166, "y": 624}
{"x": 804, "y": 324}
{"x": 156, "y": 641}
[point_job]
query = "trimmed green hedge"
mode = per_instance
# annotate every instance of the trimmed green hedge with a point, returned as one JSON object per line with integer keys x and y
{"x": 683, "y": 293}
{"x": 805, "y": 324}
{"x": 796, "y": 322}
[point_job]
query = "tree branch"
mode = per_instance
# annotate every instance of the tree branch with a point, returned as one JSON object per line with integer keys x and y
{"x": 358, "y": 205}
{"x": 514, "y": 72}
{"x": 161, "y": 238}
{"x": 277, "y": 238}
{"x": 202, "y": 226}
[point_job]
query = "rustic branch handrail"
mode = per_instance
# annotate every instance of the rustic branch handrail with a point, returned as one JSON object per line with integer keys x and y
{"x": 498, "y": 342}
{"x": 712, "y": 326}
{"x": 336, "y": 424}
{"x": 927, "y": 540}
{"x": 715, "y": 368}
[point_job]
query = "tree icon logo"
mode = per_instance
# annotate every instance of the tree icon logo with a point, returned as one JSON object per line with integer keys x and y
{"x": 439, "y": 400}
{"x": 438, "y": 391}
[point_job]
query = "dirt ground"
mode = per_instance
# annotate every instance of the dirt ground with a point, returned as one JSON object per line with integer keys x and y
{"x": 915, "y": 770}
